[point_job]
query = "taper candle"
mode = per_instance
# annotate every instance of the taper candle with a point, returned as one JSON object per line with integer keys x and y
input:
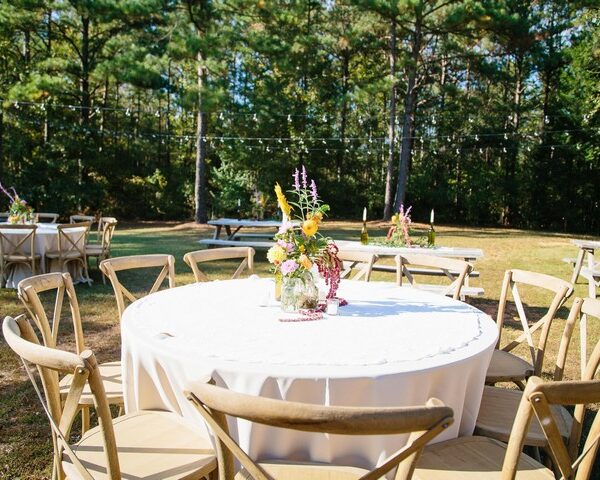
{"x": 431, "y": 217}
{"x": 365, "y": 214}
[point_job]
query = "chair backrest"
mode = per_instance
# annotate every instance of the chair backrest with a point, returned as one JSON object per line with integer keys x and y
{"x": 72, "y": 238}
{"x": 82, "y": 218}
{"x": 201, "y": 256}
{"x": 111, "y": 266}
{"x": 29, "y": 291}
{"x": 422, "y": 422}
{"x": 47, "y": 217}
{"x": 21, "y": 338}
{"x": 456, "y": 270}
{"x": 17, "y": 240}
{"x": 512, "y": 280}
{"x": 107, "y": 230}
{"x": 537, "y": 400}
{"x": 362, "y": 262}
{"x": 4, "y": 216}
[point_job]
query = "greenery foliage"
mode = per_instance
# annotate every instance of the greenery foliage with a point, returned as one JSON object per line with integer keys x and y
{"x": 495, "y": 111}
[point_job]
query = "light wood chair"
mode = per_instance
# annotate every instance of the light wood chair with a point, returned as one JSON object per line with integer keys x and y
{"x": 456, "y": 270}
{"x": 499, "y": 405}
{"x": 86, "y": 218}
{"x": 202, "y": 256}
{"x": 101, "y": 251}
{"x": 362, "y": 262}
{"x": 72, "y": 238}
{"x": 506, "y": 366}
{"x": 145, "y": 444}
{"x": 485, "y": 458}
{"x": 29, "y": 291}
{"x": 111, "y": 266}
{"x": 47, "y": 217}
{"x": 17, "y": 246}
{"x": 423, "y": 423}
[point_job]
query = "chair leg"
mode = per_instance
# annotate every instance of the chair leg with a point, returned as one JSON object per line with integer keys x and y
{"x": 85, "y": 419}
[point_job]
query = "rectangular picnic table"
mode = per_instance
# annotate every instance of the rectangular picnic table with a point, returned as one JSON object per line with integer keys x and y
{"x": 467, "y": 254}
{"x": 232, "y": 237}
{"x": 592, "y": 271}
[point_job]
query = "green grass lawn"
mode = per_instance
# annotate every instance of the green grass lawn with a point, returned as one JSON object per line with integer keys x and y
{"x": 25, "y": 445}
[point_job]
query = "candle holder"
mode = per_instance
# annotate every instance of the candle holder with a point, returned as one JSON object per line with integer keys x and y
{"x": 333, "y": 304}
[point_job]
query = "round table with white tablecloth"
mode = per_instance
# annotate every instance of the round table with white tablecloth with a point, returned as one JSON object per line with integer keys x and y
{"x": 46, "y": 240}
{"x": 390, "y": 346}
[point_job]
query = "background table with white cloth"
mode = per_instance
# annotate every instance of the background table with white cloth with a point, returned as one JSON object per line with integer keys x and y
{"x": 46, "y": 240}
{"x": 390, "y": 346}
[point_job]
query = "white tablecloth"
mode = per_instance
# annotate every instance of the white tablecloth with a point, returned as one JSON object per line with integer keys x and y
{"x": 46, "y": 240}
{"x": 391, "y": 346}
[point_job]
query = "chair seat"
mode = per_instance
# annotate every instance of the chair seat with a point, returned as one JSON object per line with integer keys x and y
{"x": 111, "y": 379}
{"x": 506, "y": 367}
{"x": 473, "y": 458}
{"x": 94, "y": 250}
{"x": 306, "y": 471}
{"x": 150, "y": 445}
{"x": 20, "y": 258}
{"x": 498, "y": 412}
{"x": 57, "y": 254}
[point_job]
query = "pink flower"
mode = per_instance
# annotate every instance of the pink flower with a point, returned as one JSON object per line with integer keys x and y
{"x": 304, "y": 179}
{"x": 289, "y": 247}
{"x": 289, "y": 266}
{"x": 296, "y": 179}
{"x": 285, "y": 226}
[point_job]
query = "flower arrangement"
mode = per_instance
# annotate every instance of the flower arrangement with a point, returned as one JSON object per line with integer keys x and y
{"x": 399, "y": 233}
{"x": 19, "y": 210}
{"x": 299, "y": 245}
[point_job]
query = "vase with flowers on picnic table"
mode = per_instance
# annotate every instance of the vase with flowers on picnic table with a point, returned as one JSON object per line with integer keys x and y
{"x": 299, "y": 248}
{"x": 19, "y": 211}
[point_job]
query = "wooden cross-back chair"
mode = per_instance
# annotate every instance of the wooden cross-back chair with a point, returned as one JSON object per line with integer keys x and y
{"x": 84, "y": 218}
{"x": 111, "y": 266}
{"x": 506, "y": 366}
{"x": 362, "y": 262}
{"x": 145, "y": 444}
{"x": 47, "y": 217}
{"x": 72, "y": 238}
{"x": 456, "y": 270}
{"x": 17, "y": 246}
{"x": 485, "y": 458}
{"x": 101, "y": 251}
{"x": 499, "y": 405}
{"x": 202, "y": 256}
{"x": 61, "y": 285}
{"x": 215, "y": 403}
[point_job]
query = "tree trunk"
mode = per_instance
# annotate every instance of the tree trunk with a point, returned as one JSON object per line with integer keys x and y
{"x": 201, "y": 215}
{"x": 85, "y": 101}
{"x": 387, "y": 211}
{"x": 408, "y": 122}
{"x": 48, "y": 55}
{"x": 344, "y": 119}
{"x": 510, "y": 169}
{"x": 1, "y": 142}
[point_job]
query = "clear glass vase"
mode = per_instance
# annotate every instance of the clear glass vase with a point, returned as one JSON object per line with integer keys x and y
{"x": 299, "y": 293}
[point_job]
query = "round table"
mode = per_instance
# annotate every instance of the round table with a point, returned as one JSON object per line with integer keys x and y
{"x": 46, "y": 240}
{"x": 390, "y": 346}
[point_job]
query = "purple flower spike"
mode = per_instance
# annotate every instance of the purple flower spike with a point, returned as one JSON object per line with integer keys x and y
{"x": 304, "y": 180}
{"x": 296, "y": 176}
{"x": 313, "y": 190}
